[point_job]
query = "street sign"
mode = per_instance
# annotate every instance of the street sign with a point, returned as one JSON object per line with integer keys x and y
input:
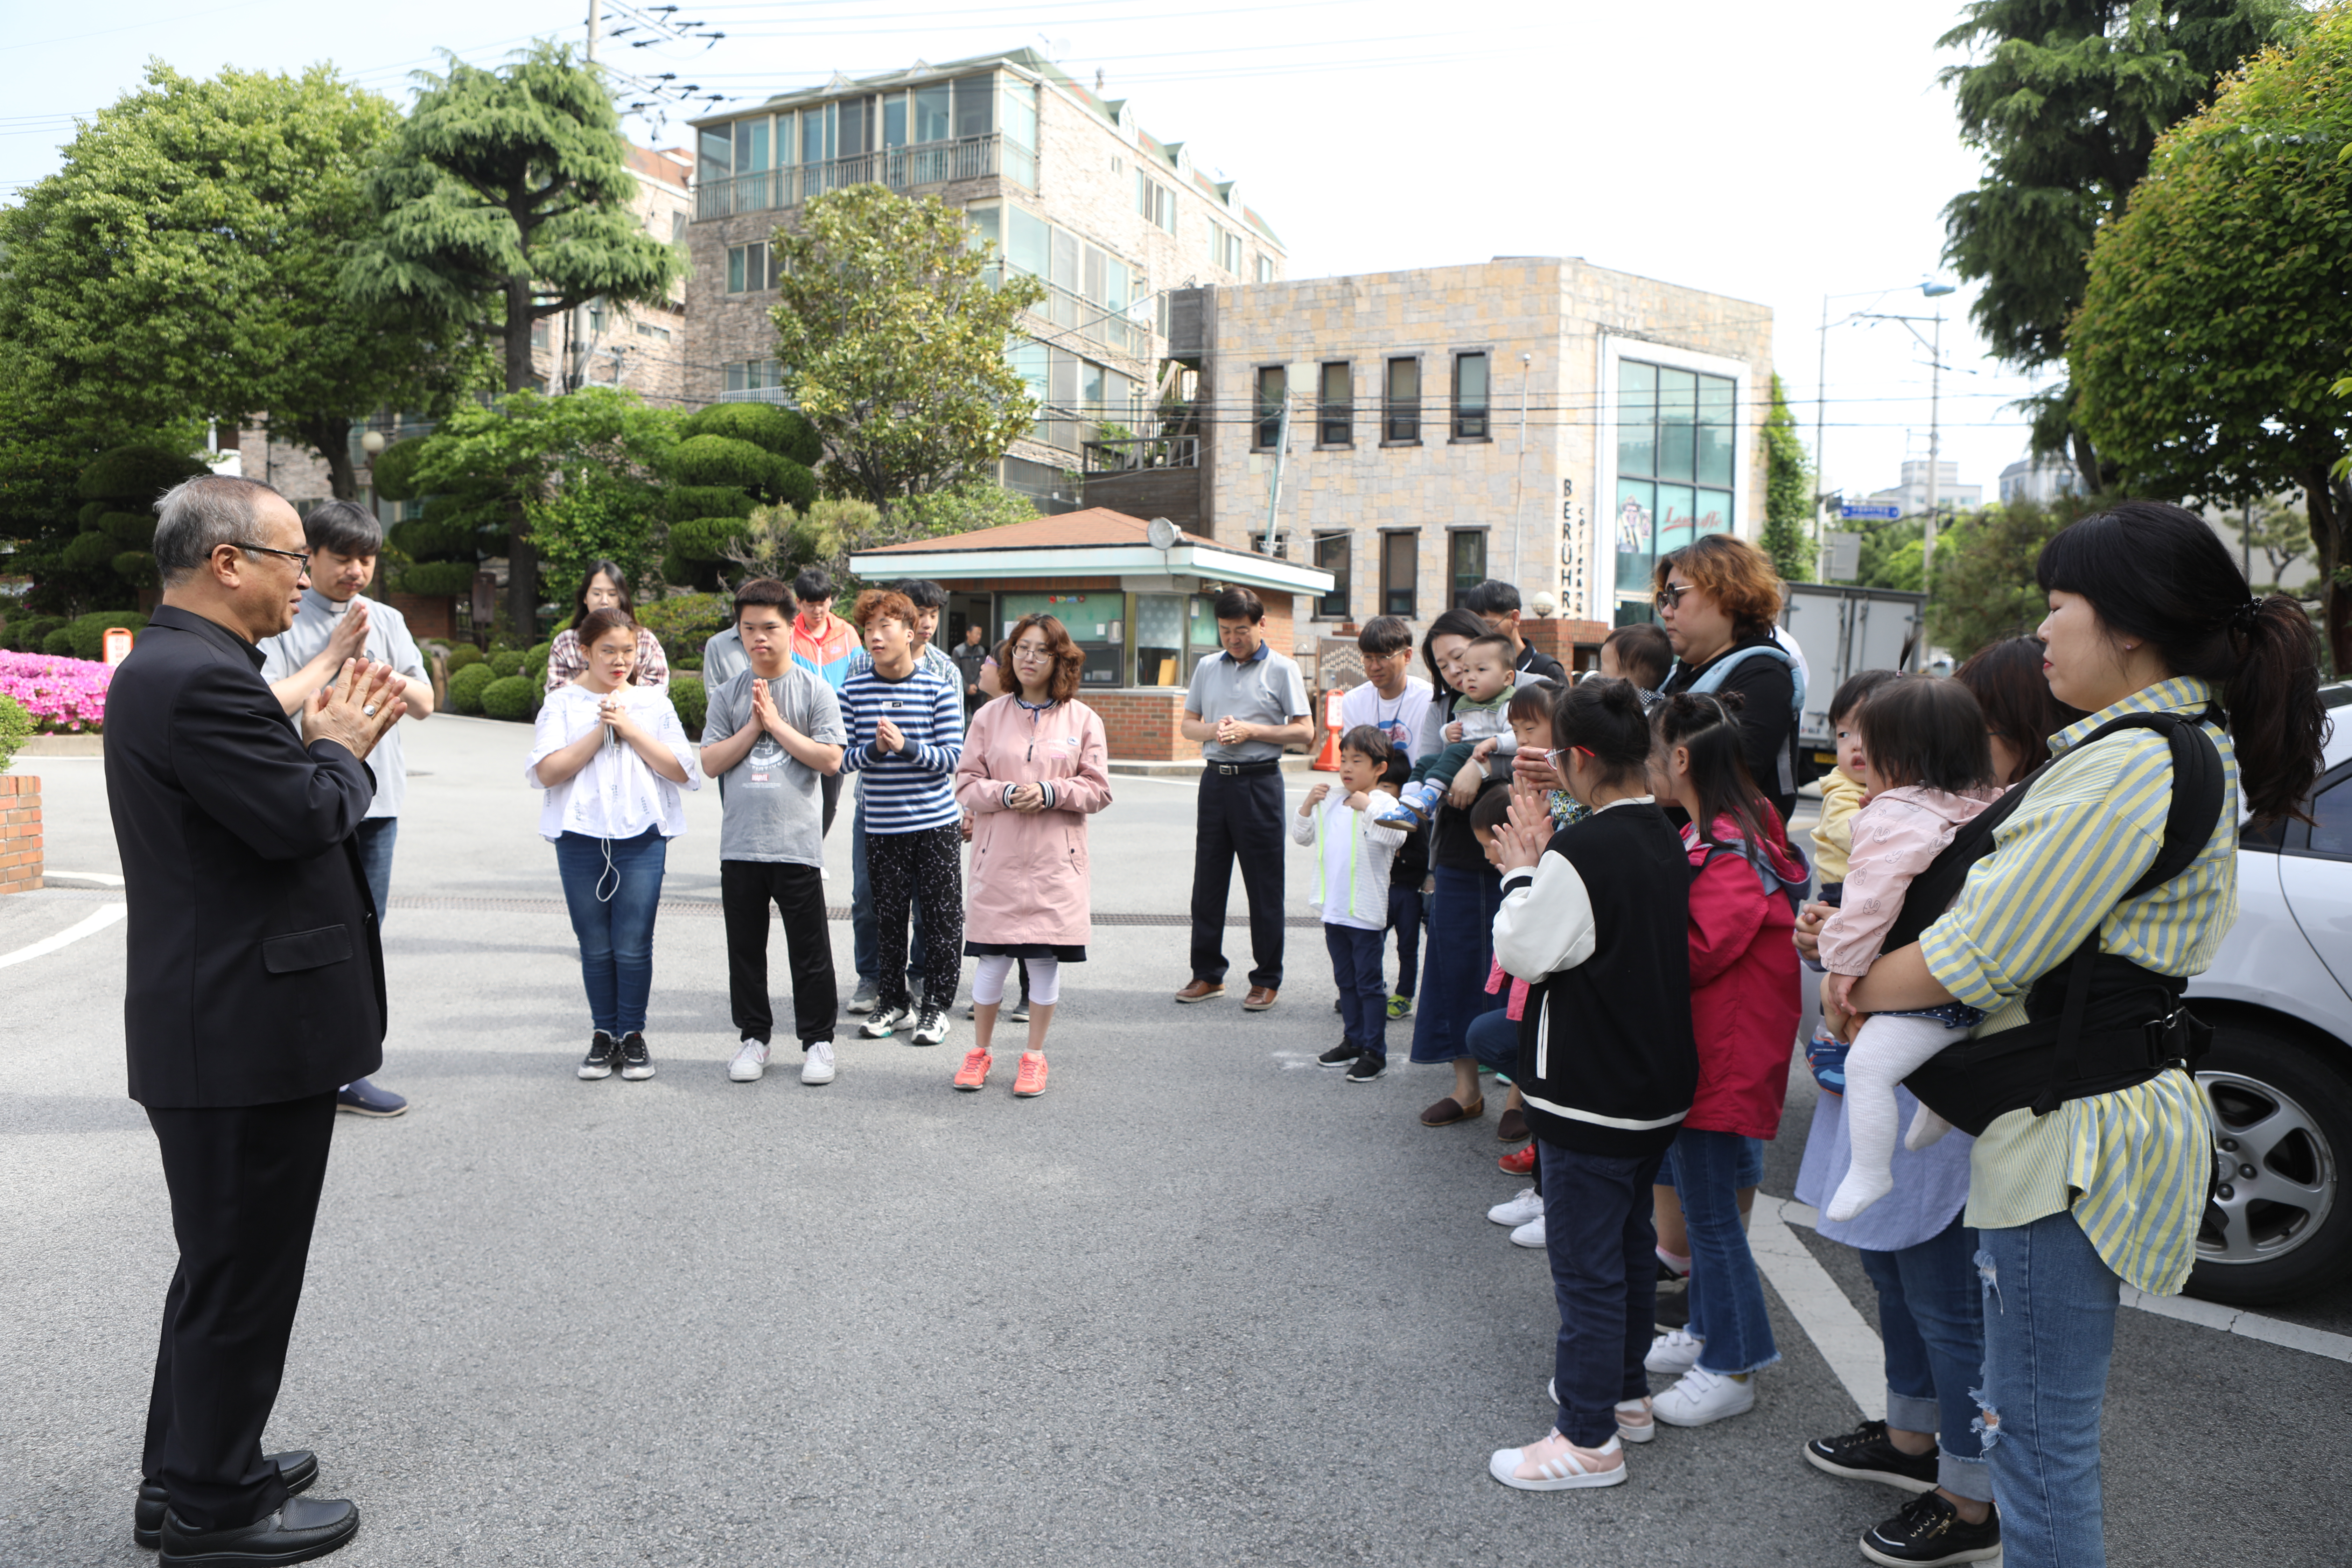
{"x": 1887, "y": 513}
{"x": 1844, "y": 563}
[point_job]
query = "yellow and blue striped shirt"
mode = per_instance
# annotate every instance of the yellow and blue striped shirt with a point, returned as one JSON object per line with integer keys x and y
{"x": 2133, "y": 1164}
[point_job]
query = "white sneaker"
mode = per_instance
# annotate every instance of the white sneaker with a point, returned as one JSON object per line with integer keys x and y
{"x": 882, "y": 1021}
{"x": 1531, "y": 1233}
{"x": 931, "y": 1028}
{"x": 1674, "y": 1354}
{"x": 1703, "y": 1397}
{"x": 817, "y": 1066}
{"x": 1517, "y": 1211}
{"x": 750, "y": 1062}
{"x": 1633, "y": 1422}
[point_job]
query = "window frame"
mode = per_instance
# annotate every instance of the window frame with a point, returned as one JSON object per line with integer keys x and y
{"x": 1390, "y": 420}
{"x": 1266, "y": 419}
{"x": 738, "y": 269}
{"x": 1457, "y": 589}
{"x": 1332, "y": 415}
{"x": 1594, "y": 586}
{"x": 1401, "y": 601}
{"x": 1335, "y": 604}
{"x": 1483, "y": 417}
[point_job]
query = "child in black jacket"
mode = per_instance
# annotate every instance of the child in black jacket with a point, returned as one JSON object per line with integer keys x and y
{"x": 1593, "y": 918}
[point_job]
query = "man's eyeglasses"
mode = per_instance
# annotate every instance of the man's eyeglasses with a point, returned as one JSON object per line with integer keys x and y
{"x": 302, "y": 556}
{"x": 1671, "y": 595}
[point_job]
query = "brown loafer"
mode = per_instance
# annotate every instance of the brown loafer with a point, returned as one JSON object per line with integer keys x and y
{"x": 1449, "y": 1110}
{"x": 1259, "y": 999}
{"x": 1511, "y": 1127}
{"x": 1201, "y": 990}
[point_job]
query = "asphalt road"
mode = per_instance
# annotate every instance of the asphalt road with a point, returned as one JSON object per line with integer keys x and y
{"x": 1200, "y": 1303}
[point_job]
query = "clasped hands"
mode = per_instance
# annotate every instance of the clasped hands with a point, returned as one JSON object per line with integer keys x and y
{"x": 1026, "y": 797}
{"x": 356, "y": 707}
{"x": 1837, "y": 990}
{"x": 765, "y": 714}
{"x": 1357, "y": 801}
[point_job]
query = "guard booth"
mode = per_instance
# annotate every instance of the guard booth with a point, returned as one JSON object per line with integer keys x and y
{"x": 1143, "y": 612}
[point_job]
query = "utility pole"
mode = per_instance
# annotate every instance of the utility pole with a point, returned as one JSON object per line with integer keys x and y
{"x": 581, "y": 346}
{"x": 1820, "y": 470}
{"x": 1281, "y": 457}
{"x": 1934, "y": 455}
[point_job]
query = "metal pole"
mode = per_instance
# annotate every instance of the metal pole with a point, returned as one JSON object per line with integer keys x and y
{"x": 1820, "y": 472}
{"x": 1518, "y": 512}
{"x": 577, "y": 327}
{"x": 1934, "y": 455}
{"x": 1281, "y": 455}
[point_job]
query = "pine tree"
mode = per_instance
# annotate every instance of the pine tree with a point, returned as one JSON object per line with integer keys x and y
{"x": 505, "y": 199}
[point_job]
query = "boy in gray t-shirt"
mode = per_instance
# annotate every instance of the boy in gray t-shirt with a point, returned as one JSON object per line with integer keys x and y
{"x": 771, "y": 735}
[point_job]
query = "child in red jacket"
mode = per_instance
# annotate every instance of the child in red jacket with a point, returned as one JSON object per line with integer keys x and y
{"x": 1745, "y": 1010}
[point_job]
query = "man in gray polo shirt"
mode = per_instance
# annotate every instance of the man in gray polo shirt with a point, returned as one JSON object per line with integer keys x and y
{"x": 1247, "y": 702}
{"x": 337, "y": 622}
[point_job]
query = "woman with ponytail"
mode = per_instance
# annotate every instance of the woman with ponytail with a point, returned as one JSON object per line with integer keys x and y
{"x": 2086, "y": 898}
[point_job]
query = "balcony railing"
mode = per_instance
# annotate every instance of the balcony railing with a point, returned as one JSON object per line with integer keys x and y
{"x": 1076, "y": 314}
{"x": 1170, "y": 442}
{"x": 899, "y": 168}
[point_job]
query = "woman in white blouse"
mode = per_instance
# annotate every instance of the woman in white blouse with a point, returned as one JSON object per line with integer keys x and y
{"x": 612, "y": 758}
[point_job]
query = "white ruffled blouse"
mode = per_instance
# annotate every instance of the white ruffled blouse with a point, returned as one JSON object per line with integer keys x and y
{"x": 616, "y": 796}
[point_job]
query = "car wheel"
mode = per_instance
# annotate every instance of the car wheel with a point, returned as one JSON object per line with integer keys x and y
{"x": 2283, "y": 1127}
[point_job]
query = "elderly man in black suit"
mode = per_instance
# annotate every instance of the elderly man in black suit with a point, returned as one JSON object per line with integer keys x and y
{"x": 254, "y": 988}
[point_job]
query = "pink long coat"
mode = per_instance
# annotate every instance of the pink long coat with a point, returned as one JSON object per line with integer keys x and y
{"x": 1028, "y": 879}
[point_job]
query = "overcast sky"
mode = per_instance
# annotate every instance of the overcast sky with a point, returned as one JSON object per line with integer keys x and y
{"x": 1777, "y": 153}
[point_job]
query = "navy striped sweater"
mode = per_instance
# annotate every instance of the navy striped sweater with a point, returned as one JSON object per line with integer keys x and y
{"x": 909, "y": 791}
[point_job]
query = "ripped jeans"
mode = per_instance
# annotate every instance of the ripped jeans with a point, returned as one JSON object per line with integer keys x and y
{"x": 1930, "y": 1318}
{"x": 2050, "y": 1329}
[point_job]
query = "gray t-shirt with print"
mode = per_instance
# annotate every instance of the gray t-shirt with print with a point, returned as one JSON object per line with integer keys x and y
{"x": 772, "y": 804}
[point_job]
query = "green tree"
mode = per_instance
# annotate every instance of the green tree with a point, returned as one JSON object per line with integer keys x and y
{"x": 1788, "y": 492}
{"x": 2280, "y": 537}
{"x": 891, "y": 334}
{"x": 41, "y": 507}
{"x": 579, "y": 477}
{"x": 2219, "y": 308}
{"x": 1984, "y": 588}
{"x": 2066, "y": 98}
{"x": 506, "y": 198}
{"x": 182, "y": 264}
{"x": 734, "y": 460}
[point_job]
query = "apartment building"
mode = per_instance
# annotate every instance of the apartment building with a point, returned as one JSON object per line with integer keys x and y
{"x": 1540, "y": 420}
{"x": 1062, "y": 184}
{"x": 1911, "y": 494}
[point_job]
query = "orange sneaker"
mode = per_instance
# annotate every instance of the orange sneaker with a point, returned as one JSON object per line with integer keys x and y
{"x": 973, "y": 1074}
{"x": 1031, "y": 1081}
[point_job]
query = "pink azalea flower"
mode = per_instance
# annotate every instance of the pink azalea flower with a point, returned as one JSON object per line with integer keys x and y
{"x": 65, "y": 696}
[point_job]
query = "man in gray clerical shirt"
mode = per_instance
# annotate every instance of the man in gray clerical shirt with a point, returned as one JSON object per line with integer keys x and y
{"x": 337, "y": 621}
{"x": 772, "y": 738}
{"x": 1247, "y": 702}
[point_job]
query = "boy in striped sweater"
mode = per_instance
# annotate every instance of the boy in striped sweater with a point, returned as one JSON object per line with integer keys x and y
{"x": 904, "y": 721}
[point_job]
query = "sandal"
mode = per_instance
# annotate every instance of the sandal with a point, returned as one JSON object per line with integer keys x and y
{"x": 1449, "y": 1110}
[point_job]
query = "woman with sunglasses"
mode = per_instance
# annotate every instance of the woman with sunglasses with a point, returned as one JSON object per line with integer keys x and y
{"x": 1719, "y": 602}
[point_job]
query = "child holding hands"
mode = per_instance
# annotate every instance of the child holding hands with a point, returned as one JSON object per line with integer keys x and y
{"x": 1353, "y": 853}
{"x": 1486, "y": 679}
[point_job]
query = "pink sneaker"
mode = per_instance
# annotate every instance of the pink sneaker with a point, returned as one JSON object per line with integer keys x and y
{"x": 1030, "y": 1081}
{"x": 973, "y": 1074}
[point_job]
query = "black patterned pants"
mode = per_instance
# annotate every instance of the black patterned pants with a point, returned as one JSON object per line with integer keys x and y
{"x": 923, "y": 869}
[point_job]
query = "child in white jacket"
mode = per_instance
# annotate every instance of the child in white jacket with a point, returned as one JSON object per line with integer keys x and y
{"x": 1352, "y": 855}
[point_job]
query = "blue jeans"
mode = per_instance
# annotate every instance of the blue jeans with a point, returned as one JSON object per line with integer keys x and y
{"x": 864, "y": 946}
{"x": 613, "y": 907}
{"x": 1460, "y": 951}
{"x": 1931, "y": 1317}
{"x": 1727, "y": 1296}
{"x": 1749, "y": 1175}
{"x": 1494, "y": 1038}
{"x": 1363, "y": 994}
{"x": 1405, "y": 919}
{"x": 2050, "y": 1329}
{"x": 1604, "y": 1277}
{"x": 376, "y": 836}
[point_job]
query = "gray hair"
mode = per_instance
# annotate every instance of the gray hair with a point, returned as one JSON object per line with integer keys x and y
{"x": 196, "y": 516}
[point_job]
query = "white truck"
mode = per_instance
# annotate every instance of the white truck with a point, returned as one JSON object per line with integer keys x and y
{"x": 1843, "y": 631}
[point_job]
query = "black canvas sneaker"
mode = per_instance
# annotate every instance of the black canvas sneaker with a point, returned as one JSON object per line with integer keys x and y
{"x": 1339, "y": 1056}
{"x": 1864, "y": 1454}
{"x": 636, "y": 1062}
{"x": 598, "y": 1063}
{"x": 1930, "y": 1534}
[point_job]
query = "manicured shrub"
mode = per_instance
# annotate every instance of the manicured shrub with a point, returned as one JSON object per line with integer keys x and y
{"x": 391, "y": 470}
{"x": 92, "y": 552}
{"x": 464, "y": 654}
{"x": 25, "y": 632}
{"x": 507, "y": 661}
{"x": 134, "y": 473}
{"x": 784, "y": 431}
{"x": 87, "y": 632}
{"x": 722, "y": 460}
{"x": 58, "y": 643}
{"x": 683, "y": 501}
{"x": 692, "y": 702}
{"x": 705, "y": 538}
{"x": 139, "y": 566}
{"x": 16, "y": 728}
{"x": 129, "y": 530}
{"x": 434, "y": 579}
{"x": 466, "y": 686}
{"x": 511, "y": 697}
{"x": 684, "y": 622}
{"x": 428, "y": 538}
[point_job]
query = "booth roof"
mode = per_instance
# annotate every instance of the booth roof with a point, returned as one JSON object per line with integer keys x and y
{"x": 1093, "y": 528}
{"x": 1095, "y": 541}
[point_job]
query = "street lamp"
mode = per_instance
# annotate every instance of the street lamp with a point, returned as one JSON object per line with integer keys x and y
{"x": 1932, "y": 288}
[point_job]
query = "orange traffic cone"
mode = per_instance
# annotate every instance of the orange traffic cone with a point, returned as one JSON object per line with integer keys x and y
{"x": 1328, "y": 760}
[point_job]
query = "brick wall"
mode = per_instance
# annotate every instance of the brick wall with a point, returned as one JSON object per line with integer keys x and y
{"x": 20, "y": 832}
{"x": 1140, "y": 725}
{"x": 431, "y": 617}
{"x": 1562, "y": 638}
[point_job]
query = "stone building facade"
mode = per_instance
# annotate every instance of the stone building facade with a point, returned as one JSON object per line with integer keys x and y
{"x": 1060, "y": 181}
{"x": 1540, "y": 420}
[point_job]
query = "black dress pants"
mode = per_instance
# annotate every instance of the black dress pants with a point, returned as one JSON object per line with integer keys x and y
{"x": 1240, "y": 815}
{"x": 245, "y": 1184}
{"x": 746, "y": 888}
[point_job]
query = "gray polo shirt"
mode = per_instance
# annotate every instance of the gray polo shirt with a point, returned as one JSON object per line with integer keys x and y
{"x": 772, "y": 807}
{"x": 723, "y": 659}
{"x": 388, "y": 642}
{"x": 1262, "y": 690}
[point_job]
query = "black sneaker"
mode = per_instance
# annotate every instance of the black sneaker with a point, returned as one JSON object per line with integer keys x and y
{"x": 1019, "y": 1012}
{"x": 636, "y": 1062}
{"x": 1864, "y": 1454}
{"x": 1929, "y": 1533}
{"x": 1339, "y": 1056}
{"x": 598, "y": 1062}
{"x": 1367, "y": 1067}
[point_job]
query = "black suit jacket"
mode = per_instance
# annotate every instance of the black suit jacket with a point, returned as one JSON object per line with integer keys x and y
{"x": 255, "y": 973}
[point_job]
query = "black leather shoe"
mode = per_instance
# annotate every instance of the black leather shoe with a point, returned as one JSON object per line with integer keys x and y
{"x": 298, "y": 1468}
{"x": 302, "y": 1529}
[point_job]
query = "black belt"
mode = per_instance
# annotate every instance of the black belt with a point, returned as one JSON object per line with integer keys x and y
{"x": 1243, "y": 770}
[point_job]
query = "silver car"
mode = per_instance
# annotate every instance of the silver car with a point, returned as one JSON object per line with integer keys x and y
{"x": 2279, "y": 1078}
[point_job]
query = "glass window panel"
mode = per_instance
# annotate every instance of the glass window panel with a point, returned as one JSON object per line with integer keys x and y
{"x": 1636, "y": 533}
{"x": 816, "y": 134}
{"x": 1637, "y": 418}
{"x": 1717, "y": 435}
{"x": 1470, "y": 397}
{"x": 1677, "y": 424}
{"x": 717, "y": 154}
{"x": 784, "y": 124}
{"x": 1331, "y": 555}
{"x": 1159, "y": 641}
{"x": 1272, "y": 385}
{"x": 751, "y": 146}
{"x": 1400, "y": 570}
{"x": 984, "y": 231}
{"x": 1020, "y": 115}
{"x": 1115, "y": 283}
{"x": 1675, "y": 518}
{"x": 1339, "y": 411}
{"x": 1098, "y": 275}
{"x": 1065, "y": 260}
{"x": 735, "y": 270}
{"x": 1091, "y": 388}
{"x": 894, "y": 121}
{"x": 2331, "y": 832}
{"x": 1028, "y": 241}
{"x": 931, "y": 112}
{"x": 1713, "y": 509}
{"x": 854, "y": 126}
{"x": 1403, "y": 400}
{"x": 1468, "y": 549}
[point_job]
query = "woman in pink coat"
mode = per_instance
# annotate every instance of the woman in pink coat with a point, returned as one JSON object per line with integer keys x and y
{"x": 1034, "y": 766}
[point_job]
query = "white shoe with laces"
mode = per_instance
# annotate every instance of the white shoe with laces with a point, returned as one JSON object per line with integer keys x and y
{"x": 1531, "y": 1233}
{"x": 817, "y": 1066}
{"x": 1703, "y": 1397}
{"x": 1517, "y": 1211}
{"x": 751, "y": 1061}
{"x": 1674, "y": 1354}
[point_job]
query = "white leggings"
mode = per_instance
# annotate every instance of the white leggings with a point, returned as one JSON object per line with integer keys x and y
{"x": 1045, "y": 980}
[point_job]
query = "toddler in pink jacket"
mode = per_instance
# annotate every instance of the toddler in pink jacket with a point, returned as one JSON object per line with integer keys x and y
{"x": 1927, "y": 770}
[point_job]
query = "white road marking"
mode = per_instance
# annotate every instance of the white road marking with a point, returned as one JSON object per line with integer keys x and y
{"x": 103, "y": 878}
{"x": 1848, "y": 1343}
{"x": 97, "y": 921}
